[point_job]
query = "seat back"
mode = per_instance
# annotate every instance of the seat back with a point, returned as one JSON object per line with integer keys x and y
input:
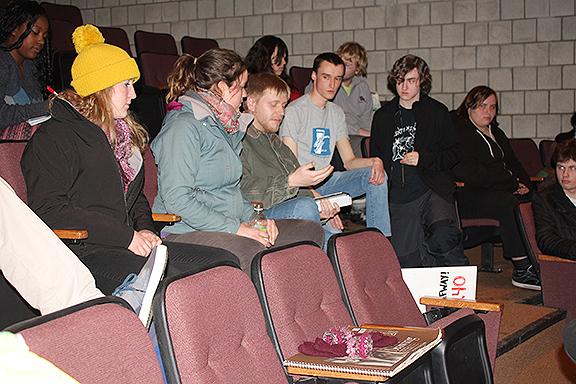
{"x": 62, "y": 64}
{"x": 371, "y": 279}
{"x": 68, "y": 13}
{"x": 149, "y": 107}
{"x": 558, "y": 278}
{"x": 196, "y": 46}
{"x": 211, "y": 329}
{"x": 546, "y": 148}
{"x": 527, "y": 227}
{"x": 117, "y": 37}
{"x": 299, "y": 295}
{"x": 150, "y": 176}
{"x": 10, "y": 155}
{"x": 300, "y": 77}
{"x": 528, "y": 154}
{"x": 100, "y": 341}
{"x": 153, "y": 42}
{"x": 61, "y": 35}
{"x": 156, "y": 67}
{"x": 462, "y": 356}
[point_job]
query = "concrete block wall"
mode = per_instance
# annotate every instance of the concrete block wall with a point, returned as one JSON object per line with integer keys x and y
{"x": 524, "y": 49}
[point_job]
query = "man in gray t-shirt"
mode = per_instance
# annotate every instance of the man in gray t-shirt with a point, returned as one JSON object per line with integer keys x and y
{"x": 313, "y": 126}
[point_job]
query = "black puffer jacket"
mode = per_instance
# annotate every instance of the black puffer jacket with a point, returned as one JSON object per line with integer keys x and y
{"x": 555, "y": 217}
{"x": 73, "y": 181}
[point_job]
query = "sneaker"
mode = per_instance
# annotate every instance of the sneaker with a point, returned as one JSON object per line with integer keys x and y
{"x": 526, "y": 278}
{"x": 138, "y": 290}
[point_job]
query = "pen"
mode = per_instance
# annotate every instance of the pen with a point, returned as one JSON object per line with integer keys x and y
{"x": 51, "y": 90}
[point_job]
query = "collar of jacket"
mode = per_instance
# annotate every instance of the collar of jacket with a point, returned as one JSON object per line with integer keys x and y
{"x": 561, "y": 201}
{"x": 201, "y": 110}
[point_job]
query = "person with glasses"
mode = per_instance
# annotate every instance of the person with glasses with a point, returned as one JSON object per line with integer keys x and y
{"x": 555, "y": 207}
{"x": 414, "y": 137}
{"x": 494, "y": 180}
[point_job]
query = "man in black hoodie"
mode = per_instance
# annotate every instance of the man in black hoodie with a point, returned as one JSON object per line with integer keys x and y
{"x": 414, "y": 137}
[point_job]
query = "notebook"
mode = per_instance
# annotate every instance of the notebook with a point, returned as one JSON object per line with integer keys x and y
{"x": 383, "y": 363}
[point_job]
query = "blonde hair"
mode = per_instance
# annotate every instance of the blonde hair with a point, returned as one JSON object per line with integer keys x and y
{"x": 204, "y": 71}
{"x": 353, "y": 50}
{"x": 96, "y": 108}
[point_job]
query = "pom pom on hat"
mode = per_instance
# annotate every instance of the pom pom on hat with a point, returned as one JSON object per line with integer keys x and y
{"x": 99, "y": 65}
{"x": 86, "y": 35}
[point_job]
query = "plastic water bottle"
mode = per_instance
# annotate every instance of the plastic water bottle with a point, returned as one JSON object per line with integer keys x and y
{"x": 258, "y": 220}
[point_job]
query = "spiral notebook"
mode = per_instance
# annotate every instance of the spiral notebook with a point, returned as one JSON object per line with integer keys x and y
{"x": 383, "y": 363}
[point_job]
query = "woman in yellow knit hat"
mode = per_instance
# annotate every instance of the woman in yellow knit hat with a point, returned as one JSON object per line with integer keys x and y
{"x": 84, "y": 167}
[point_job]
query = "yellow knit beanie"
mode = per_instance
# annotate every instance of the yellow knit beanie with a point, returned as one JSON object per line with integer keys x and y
{"x": 99, "y": 65}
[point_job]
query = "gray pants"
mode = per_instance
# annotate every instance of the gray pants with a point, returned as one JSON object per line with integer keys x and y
{"x": 425, "y": 232}
{"x": 289, "y": 231}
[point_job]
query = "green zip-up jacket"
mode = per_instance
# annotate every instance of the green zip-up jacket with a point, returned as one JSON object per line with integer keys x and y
{"x": 199, "y": 170}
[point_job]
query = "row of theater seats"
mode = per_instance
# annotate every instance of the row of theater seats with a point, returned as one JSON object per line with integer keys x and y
{"x": 10, "y": 154}
{"x": 155, "y": 54}
{"x": 213, "y": 325}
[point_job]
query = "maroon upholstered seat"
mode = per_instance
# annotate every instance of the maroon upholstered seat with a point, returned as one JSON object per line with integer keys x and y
{"x": 557, "y": 276}
{"x": 546, "y": 148}
{"x": 196, "y": 46}
{"x": 61, "y": 32}
{"x": 68, "y": 13}
{"x": 211, "y": 330}
{"x": 100, "y": 341}
{"x": 156, "y": 67}
{"x": 150, "y": 176}
{"x": 528, "y": 155}
{"x": 153, "y": 42}
{"x": 300, "y": 77}
{"x": 117, "y": 37}
{"x": 371, "y": 281}
{"x": 301, "y": 294}
{"x": 10, "y": 155}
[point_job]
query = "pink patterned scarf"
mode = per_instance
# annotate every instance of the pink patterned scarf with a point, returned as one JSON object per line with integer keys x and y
{"x": 123, "y": 152}
{"x": 224, "y": 112}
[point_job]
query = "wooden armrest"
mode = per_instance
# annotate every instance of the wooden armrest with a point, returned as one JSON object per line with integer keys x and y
{"x": 555, "y": 259}
{"x": 536, "y": 179}
{"x": 461, "y": 303}
{"x": 459, "y": 184}
{"x": 166, "y": 217}
{"x": 71, "y": 234}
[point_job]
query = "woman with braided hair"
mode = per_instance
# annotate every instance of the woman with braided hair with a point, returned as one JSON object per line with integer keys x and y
{"x": 23, "y": 37}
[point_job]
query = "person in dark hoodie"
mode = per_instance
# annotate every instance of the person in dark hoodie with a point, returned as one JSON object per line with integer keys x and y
{"x": 84, "y": 168}
{"x": 414, "y": 137}
{"x": 494, "y": 180}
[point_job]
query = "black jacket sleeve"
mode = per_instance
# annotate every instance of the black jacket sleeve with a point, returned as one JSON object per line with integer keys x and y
{"x": 50, "y": 167}
{"x": 548, "y": 233}
{"x": 444, "y": 156}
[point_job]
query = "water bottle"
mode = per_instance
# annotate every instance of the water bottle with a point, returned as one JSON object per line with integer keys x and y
{"x": 258, "y": 220}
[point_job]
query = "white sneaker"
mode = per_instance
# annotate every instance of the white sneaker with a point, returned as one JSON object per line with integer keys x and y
{"x": 138, "y": 290}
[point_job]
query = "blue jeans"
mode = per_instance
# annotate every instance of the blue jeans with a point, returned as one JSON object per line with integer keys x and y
{"x": 355, "y": 183}
{"x": 303, "y": 208}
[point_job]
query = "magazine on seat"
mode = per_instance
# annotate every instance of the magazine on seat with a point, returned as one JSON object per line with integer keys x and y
{"x": 385, "y": 362}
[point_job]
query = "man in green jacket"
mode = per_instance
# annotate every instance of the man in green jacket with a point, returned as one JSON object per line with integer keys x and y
{"x": 270, "y": 171}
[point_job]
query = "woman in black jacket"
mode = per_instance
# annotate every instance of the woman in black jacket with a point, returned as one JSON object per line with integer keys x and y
{"x": 84, "y": 168}
{"x": 494, "y": 180}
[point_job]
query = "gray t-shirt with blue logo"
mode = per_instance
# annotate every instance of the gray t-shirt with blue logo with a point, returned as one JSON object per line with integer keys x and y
{"x": 316, "y": 131}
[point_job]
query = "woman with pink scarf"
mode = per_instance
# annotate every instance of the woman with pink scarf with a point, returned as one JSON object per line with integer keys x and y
{"x": 199, "y": 169}
{"x": 84, "y": 168}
